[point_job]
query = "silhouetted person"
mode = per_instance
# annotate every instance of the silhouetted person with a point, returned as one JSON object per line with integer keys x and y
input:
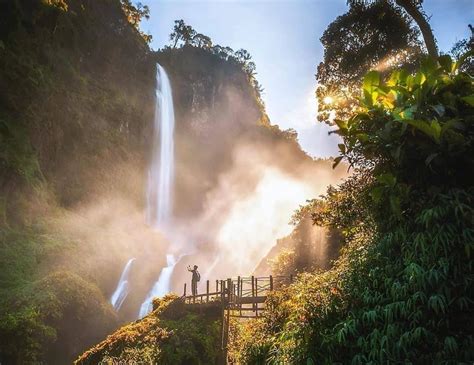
{"x": 194, "y": 280}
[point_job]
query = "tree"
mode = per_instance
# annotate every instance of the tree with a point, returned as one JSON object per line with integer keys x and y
{"x": 414, "y": 9}
{"x": 182, "y": 32}
{"x": 461, "y": 48}
{"x": 202, "y": 41}
{"x": 135, "y": 14}
{"x": 376, "y": 35}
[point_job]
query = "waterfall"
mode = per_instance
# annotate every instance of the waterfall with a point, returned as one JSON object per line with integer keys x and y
{"x": 161, "y": 172}
{"x": 121, "y": 292}
{"x": 160, "y": 180}
{"x": 161, "y": 287}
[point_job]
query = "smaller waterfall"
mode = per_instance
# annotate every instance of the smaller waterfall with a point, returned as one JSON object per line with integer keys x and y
{"x": 161, "y": 287}
{"x": 119, "y": 295}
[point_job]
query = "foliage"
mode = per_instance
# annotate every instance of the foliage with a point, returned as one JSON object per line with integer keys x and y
{"x": 185, "y": 35}
{"x": 424, "y": 119}
{"x": 402, "y": 292}
{"x": 135, "y": 14}
{"x": 463, "y": 47}
{"x": 171, "y": 334}
{"x": 47, "y": 309}
{"x": 73, "y": 73}
{"x": 16, "y": 152}
{"x": 412, "y": 8}
{"x": 377, "y": 35}
{"x": 284, "y": 263}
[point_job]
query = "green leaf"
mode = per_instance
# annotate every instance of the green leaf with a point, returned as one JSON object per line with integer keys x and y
{"x": 395, "y": 204}
{"x": 428, "y": 65}
{"x": 377, "y": 193}
{"x": 387, "y": 179}
{"x": 342, "y": 124}
{"x": 371, "y": 79}
{"x": 420, "y": 78}
{"x": 342, "y": 148}
{"x": 446, "y": 63}
{"x": 337, "y": 160}
{"x": 432, "y": 129}
{"x": 468, "y": 99}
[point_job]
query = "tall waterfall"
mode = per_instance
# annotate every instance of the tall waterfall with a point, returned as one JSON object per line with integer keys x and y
{"x": 121, "y": 292}
{"x": 161, "y": 179}
{"x": 161, "y": 287}
{"x": 161, "y": 173}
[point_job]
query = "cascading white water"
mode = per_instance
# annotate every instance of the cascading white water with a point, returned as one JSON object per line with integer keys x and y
{"x": 161, "y": 287}
{"x": 161, "y": 173}
{"x": 121, "y": 292}
{"x": 161, "y": 179}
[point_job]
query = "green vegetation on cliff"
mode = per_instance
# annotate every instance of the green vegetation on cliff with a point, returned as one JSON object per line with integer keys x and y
{"x": 77, "y": 82}
{"x": 403, "y": 289}
{"x": 173, "y": 334}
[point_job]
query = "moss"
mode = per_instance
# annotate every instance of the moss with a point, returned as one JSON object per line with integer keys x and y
{"x": 172, "y": 334}
{"x": 53, "y": 318}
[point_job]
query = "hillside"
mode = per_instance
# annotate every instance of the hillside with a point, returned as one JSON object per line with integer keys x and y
{"x": 76, "y": 98}
{"x": 77, "y": 102}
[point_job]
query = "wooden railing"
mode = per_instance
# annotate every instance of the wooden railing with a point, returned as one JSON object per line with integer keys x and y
{"x": 236, "y": 292}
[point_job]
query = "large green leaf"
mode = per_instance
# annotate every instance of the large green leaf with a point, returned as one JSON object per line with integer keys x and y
{"x": 432, "y": 129}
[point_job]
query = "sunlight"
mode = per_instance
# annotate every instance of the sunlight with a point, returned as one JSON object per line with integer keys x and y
{"x": 254, "y": 224}
{"x": 328, "y": 100}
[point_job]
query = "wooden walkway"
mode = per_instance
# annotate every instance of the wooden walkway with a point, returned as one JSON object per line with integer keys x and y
{"x": 241, "y": 297}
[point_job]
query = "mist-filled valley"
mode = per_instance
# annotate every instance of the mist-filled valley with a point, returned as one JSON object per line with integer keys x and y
{"x": 152, "y": 212}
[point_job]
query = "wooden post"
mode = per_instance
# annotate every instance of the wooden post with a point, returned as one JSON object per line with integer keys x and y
{"x": 256, "y": 294}
{"x": 207, "y": 291}
{"x": 253, "y": 292}
{"x": 271, "y": 283}
{"x": 229, "y": 288}
{"x": 217, "y": 286}
{"x": 239, "y": 288}
{"x": 291, "y": 278}
{"x": 222, "y": 291}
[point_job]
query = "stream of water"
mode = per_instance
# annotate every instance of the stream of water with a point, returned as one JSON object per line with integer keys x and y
{"x": 161, "y": 180}
{"x": 123, "y": 287}
{"x": 161, "y": 172}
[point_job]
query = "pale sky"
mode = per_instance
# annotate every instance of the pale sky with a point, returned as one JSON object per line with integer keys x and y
{"x": 283, "y": 38}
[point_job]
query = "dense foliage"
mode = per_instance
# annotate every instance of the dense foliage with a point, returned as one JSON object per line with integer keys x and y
{"x": 375, "y": 35}
{"x": 76, "y": 93}
{"x": 403, "y": 289}
{"x": 172, "y": 334}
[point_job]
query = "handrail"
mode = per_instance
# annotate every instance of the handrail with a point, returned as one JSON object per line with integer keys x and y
{"x": 231, "y": 289}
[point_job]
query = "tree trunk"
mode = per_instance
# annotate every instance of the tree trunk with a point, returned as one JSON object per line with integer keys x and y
{"x": 422, "y": 23}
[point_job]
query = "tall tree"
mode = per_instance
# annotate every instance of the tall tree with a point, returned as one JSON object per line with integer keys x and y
{"x": 202, "y": 41}
{"x": 414, "y": 9}
{"x": 182, "y": 32}
{"x": 370, "y": 35}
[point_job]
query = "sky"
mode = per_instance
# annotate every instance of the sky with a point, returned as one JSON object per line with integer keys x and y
{"x": 283, "y": 38}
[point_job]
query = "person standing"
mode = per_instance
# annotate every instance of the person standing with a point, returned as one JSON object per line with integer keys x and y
{"x": 194, "y": 280}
